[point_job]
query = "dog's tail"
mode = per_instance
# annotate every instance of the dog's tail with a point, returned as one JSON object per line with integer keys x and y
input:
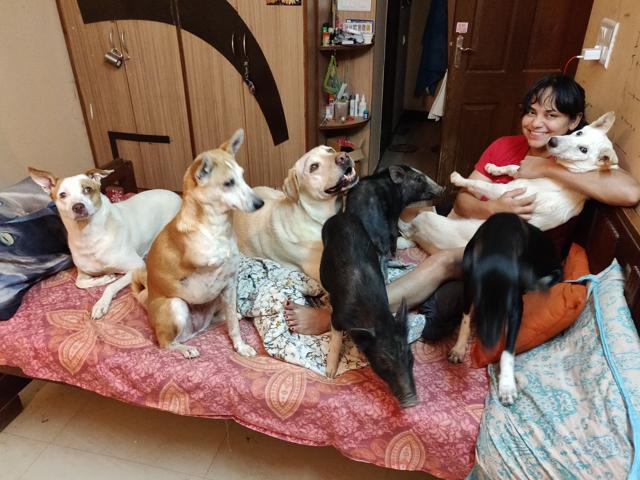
{"x": 496, "y": 291}
{"x": 139, "y": 285}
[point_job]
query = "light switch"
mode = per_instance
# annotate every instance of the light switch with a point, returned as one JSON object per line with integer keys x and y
{"x": 606, "y": 39}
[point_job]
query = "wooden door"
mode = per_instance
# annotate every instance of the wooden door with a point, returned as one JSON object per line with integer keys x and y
{"x": 280, "y": 34}
{"x": 513, "y": 43}
{"x": 103, "y": 88}
{"x": 154, "y": 74}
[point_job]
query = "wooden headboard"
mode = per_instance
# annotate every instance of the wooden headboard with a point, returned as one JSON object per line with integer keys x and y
{"x": 614, "y": 232}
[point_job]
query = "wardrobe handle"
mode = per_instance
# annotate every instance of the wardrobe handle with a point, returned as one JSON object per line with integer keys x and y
{"x": 233, "y": 43}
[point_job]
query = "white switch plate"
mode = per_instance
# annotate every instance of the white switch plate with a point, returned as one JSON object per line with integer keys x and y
{"x": 607, "y": 39}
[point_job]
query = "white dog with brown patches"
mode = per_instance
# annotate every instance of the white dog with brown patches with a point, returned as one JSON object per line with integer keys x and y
{"x": 106, "y": 238}
{"x": 585, "y": 150}
{"x": 192, "y": 266}
{"x": 288, "y": 229}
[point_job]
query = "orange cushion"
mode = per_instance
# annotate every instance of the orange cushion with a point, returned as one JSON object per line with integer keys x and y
{"x": 545, "y": 313}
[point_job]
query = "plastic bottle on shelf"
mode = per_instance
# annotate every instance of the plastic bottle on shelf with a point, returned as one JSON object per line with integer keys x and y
{"x": 352, "y": 106}
{"x": 329, "y": 109}
{"x": 356, "y": 109}
{"x": 362, "y": 106}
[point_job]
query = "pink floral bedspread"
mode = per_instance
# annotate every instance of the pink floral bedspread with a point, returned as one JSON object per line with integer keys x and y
{"x": 53, "y": 337}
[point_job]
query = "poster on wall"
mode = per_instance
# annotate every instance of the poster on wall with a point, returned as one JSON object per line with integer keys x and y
{"x": 284, "y": 2}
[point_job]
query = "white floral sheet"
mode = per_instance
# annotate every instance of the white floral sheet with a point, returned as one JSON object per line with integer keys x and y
{"x": 570, "y": 420}
{"x": 263, "y": 288}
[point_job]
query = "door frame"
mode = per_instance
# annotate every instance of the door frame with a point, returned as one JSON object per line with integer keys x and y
{"x": 378, "y": 77}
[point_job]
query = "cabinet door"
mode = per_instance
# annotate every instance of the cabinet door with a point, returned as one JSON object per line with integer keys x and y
{"x": 104, "y": 92}
{"x": 280, "y": 34}
{"x": 156, "y": 87}
{"x": 215, "y": 96}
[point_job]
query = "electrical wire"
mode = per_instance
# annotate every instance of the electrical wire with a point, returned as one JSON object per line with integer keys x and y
{"x": 566, "y": 65}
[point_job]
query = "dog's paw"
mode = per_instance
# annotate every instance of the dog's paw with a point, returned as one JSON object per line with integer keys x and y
{"x": 456, "y": 178}
{"x": 404, "y": 243}
{"x": 189, "y": 352}
{"x": 246, "y": 350}
{"x": 507, "y": 391}
{"x": 492, "y": 169}
{"x": 100, "y": 308}
{"x": 456, "y": 355}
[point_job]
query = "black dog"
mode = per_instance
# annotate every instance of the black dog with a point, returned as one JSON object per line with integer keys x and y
{"x": 505, "y": 258}
{"x": 354, "y": 244}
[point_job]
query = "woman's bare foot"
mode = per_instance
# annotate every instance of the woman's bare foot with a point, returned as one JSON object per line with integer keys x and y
{"x": 306, "y": 320}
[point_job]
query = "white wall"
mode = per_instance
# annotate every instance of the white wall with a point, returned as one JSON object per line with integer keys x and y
{"x": 41, "y": 121}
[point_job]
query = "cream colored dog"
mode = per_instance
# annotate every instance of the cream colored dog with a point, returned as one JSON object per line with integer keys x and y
{"x": 192, "y": 266}
{"x": 288, "y": 229}
{"x": 106, "y": 238}
{"x": 585, "y": 150}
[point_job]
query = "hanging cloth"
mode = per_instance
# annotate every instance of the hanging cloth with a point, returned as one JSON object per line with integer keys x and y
{"x": 433, "y": 62}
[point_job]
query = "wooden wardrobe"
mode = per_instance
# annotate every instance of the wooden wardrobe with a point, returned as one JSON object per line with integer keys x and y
{"x": 180, "y": 90}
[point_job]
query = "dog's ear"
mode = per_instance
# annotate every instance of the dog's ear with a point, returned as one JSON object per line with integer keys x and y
{"x": 607, "y": 158}
{"x": 98, "y": 174}
{"x": 605, "y": 122}
{"x": 290, "y": 187}
{"x": 45, "y": 179}
{"x": 203, "y": 169}
{"x": 233, "y": 144}
{"x": 363, "y": 337}
{"x": 396, "y": 173}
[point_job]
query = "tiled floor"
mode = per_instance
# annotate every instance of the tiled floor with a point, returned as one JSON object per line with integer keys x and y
{"x": 68, "y": 433}
{"x": 424, "y": 135}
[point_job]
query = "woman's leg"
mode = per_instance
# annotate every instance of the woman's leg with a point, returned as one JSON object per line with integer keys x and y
{"x": 416, "y": 286}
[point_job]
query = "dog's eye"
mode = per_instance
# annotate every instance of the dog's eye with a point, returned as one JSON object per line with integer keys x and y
{"x": 579, "y": 133}
{"x": 62, "y": 194}
{"x": 230, "y": 183}
{"x": 87, "y": 190}
{"x": 314, "y": 167}
{"x": 584, "y": 149}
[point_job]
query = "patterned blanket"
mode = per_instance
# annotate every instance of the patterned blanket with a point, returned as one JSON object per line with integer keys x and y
{"x": 263, "y": 287}
{"x": 52, "y": 336}
{"x": 570, "y": 420}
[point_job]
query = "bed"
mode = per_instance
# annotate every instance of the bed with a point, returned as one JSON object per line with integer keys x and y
{"x": 52, "y": 337}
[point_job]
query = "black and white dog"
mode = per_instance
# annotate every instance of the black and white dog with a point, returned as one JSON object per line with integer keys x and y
{"x": 356, "y": 243}
{"x": 504, "y": 259}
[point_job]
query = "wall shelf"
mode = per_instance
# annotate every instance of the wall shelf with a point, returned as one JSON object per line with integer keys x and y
{"x": 337, "y": 125}
{"x": 357, "y": 46}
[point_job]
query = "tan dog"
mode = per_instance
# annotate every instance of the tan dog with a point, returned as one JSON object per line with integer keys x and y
{"x": 288, "y": 229}
{"x": 106, "y": 238}
{"x": 192, "y": 266}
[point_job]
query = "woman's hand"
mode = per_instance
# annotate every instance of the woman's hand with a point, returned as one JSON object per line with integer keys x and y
{"x": 535, "y": 167}
{"x": 510, "y": 203}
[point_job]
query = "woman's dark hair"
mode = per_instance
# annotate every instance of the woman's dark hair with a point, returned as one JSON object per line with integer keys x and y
{"x": 567, "y": 94}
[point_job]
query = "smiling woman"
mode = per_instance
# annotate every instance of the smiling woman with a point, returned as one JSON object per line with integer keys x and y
{"x": 553, "y": 106}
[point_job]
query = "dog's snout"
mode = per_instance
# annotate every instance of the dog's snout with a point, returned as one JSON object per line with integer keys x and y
{"x": 78, "y": 208}
{"x": 343, "y": 159}
{"x": 553, "y": 142}
{"x": 258, "y": 203}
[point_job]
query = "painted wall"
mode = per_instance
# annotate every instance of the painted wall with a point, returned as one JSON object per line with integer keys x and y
{"x": 41, "y": 122}
{"x": 618, "y": 87}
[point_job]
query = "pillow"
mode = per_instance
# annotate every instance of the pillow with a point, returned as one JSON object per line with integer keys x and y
{"x": 33, "y": 242}
{"x": 545, "y": 313}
